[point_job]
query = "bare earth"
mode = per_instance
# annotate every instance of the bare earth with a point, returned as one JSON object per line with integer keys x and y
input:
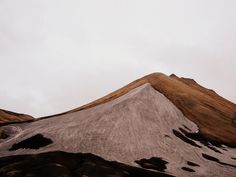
{"x": 204, "y": 107}
{"x": 140, "y": 124}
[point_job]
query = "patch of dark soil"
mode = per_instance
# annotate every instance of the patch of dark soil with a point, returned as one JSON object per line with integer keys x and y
{"x": 34, "y": 142}
{"x": 184, "y": 138}
{"x": 203, "y": 140}
{"x": 208, "y": 157}
{"x": 63, "y": 164}
{"x": 192, "y": 164}
{"x": 187, "y": 169}
{"x": 154, "y": 163}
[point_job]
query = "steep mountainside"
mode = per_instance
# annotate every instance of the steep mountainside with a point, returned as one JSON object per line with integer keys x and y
{"x": 141, "y": 128}
{"x": 158, "y": 125}
{"x": 213, "y": 114}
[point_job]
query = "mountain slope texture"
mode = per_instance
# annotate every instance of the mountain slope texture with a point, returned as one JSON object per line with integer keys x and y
{"x": 158, "y": 125}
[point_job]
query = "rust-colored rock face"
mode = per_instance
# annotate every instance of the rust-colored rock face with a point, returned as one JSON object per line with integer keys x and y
{"x": 212, "y": 113}
{"x": 10, "y": 117}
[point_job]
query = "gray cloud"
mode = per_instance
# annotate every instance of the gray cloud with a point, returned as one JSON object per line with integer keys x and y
{"x": 57, "y": 55}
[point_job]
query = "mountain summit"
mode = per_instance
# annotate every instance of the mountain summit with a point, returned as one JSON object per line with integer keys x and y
{"x": 158, "y": 125}
{"x": 212, "y": 113}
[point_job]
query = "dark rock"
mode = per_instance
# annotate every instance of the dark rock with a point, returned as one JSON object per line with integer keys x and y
{"x": 208, "y": 157}
{"x": 34, "y": 142}
{"x": 185, "y": 139}
{"x": 58, "y": 164}
{"x": 187, "y": 169}
{"x": 192, "y": 164}
{"x": 202, "y": 139}
{"x": 154, "y": 163}
{"x": 187, "y": 128}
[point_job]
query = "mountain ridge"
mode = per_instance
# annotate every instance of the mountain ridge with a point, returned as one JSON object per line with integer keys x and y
{"x": 213, "y": 114}
{"x": 145, "y": 125}
{"x": 142, "y": 128}
{"x": 9, "y": 117}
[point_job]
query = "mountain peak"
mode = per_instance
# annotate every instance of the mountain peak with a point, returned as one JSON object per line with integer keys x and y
{"x": 168, "y": 124}
{"x": 212, "y": 113}
{"x": 199, "y": 104}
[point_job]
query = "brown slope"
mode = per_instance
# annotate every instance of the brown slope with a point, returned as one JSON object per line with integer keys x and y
{"x": 213, "y": 114}
{"x": 192, "y": 83}
{"x": 10, "y": 117}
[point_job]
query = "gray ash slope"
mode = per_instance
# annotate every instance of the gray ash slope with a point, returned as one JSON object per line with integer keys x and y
{"x": 138, "y": 129}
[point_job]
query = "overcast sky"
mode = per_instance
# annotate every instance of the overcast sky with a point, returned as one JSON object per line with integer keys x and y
{"x": 56, "y": 55}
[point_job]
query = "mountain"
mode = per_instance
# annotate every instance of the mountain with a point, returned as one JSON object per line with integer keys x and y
{"x": 158, "y": 125}
{"x": 202, "y": 106}
{"x": 10, "y": 117}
